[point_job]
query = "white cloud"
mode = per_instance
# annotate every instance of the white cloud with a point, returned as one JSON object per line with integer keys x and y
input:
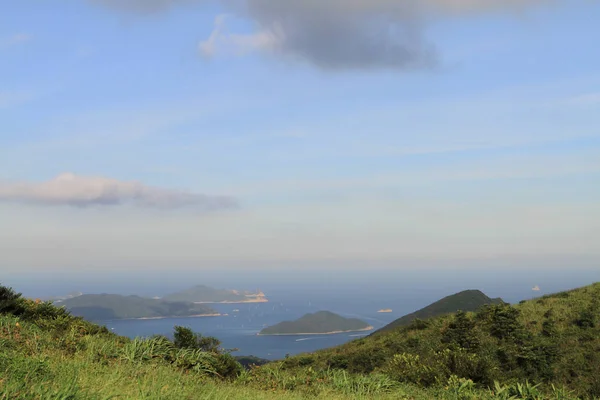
{"x": 80, "y": 191}
{"x": 222, "y": 41}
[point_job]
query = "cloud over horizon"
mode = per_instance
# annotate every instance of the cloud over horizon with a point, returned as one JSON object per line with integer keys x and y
{"x": 329, "y": 34}
{"x": 81, "y": 191}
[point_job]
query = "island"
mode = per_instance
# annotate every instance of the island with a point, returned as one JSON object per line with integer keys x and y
{"x": 205, "y": 294}
{"x": 319, "y": 323}
{"x": 385, "y": 310}
{"x": 101, "y": 307}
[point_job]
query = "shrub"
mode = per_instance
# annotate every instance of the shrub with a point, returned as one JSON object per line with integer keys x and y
{"x": 460, "y": 332}
{"x": 10, "y": 301}
{"x": 185, "y": 338}
{"x": 410, "y": 368}
{"x": 587, "y": 319}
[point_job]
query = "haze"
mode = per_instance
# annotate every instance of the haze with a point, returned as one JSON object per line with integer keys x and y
{"x": 203, "y": 135}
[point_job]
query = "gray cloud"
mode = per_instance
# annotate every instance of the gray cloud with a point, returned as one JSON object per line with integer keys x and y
{"x": 79, "y": 191}
{"x": 331, "y": 34}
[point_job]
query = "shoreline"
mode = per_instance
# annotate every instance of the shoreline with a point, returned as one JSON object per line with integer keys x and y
{"x": 167, "y": 317}
{"x": 368, "y": 328}
{"x": 232, "y": 302}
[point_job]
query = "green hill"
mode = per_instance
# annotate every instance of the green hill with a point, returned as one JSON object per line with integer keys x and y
{"x": 206, "y": 294}
{"x": 322, "y": 322}
{"x": 98, "y": 307}
{"x": 551, "y": 340}
{"x": 468, "y": 300}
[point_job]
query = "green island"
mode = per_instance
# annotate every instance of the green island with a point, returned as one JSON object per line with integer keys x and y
{"x": 319, "y": 323}
{"x": 467, "y": 300}
{"x": 543, "y": 348}
{"x": 98, "y": 307}
{"x": 206, "y": 294}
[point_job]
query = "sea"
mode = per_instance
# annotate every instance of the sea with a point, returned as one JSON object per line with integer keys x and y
{"x": 239, "y": 324}
{"x": 359, "y": 294}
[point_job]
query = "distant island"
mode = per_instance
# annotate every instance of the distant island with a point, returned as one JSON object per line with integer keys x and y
{"x": 205, "y": 294}
{"x": 99, "y": 307}
{"x": 319, "y": 323}
{"x": 385, "y": 310}
{"x": 467, "y": 300}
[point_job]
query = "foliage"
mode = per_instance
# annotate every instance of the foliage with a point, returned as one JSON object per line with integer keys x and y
{"x": 554, "y": 340}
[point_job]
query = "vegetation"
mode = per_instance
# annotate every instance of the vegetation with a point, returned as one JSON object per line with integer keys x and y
{"x": 542, "y": 349}
{"x": 206, "y": 294}
{"x": 468, "y": 300}
{"x": 551, "y": 340}
{"x": 98, "y": 307}
{"x": 319, "y": 322}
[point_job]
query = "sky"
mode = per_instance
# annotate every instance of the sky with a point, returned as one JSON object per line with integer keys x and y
{"x": 199, "y": 134}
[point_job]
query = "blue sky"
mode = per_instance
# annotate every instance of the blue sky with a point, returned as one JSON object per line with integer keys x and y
{"x": 300, "y": 133}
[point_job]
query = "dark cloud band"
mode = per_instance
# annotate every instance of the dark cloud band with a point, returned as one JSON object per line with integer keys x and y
{"x": 331, "y": 34}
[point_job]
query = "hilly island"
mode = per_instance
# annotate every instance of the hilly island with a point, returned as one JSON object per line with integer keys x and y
{"x": 319, "y": 323}
{"x": 206, "y": 294}
{"x": 97, "y": 307}
{"x": 192, "y": 302}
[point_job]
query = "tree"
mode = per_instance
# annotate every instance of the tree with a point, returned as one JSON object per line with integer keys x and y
{"x": 460, "y": 332}
{"x": 185, "y": 338}
{"x": 10, "y": 301}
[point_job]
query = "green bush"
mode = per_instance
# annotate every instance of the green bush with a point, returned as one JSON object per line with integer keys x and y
{"x": 410, "y": 368}
{"x": 461, "y": 332}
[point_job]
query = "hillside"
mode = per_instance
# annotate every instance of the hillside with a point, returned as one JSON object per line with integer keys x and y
{"x": 468, "y": 300}
{"x": 206, "y": 294}
{"x": 322, "y": 322}
{"x": 98, "y": 307}
{"x": 554, "y": 339}
{"x": 547, "y": 348}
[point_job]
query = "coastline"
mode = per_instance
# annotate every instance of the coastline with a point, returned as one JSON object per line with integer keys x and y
{"x": 170, "y": 316}
{"x": 232, "y": 302}
{"x": 368, "y": 328}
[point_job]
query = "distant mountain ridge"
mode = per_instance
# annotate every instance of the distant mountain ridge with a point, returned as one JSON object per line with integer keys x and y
{"x": 322, "y": 322}
{"x": 97, "y": 307}
{"x": 467, "y": 300}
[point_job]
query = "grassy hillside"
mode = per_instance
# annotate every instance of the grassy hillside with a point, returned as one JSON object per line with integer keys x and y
{"x": 98, "y": 307}
{"x": 468, "y": 300}
{"x": 319, "y": 322}
{"x": 45, "y": 353}
{"x": 553, "y": 340}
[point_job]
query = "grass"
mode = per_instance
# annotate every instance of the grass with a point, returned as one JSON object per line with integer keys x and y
{"x": 47, "y": 354}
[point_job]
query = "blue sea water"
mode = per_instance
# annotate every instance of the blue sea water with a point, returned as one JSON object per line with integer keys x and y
{"x": 239, "y": 324}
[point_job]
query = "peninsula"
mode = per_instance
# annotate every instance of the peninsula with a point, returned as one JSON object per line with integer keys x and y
{"x": 319, "y": 323}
